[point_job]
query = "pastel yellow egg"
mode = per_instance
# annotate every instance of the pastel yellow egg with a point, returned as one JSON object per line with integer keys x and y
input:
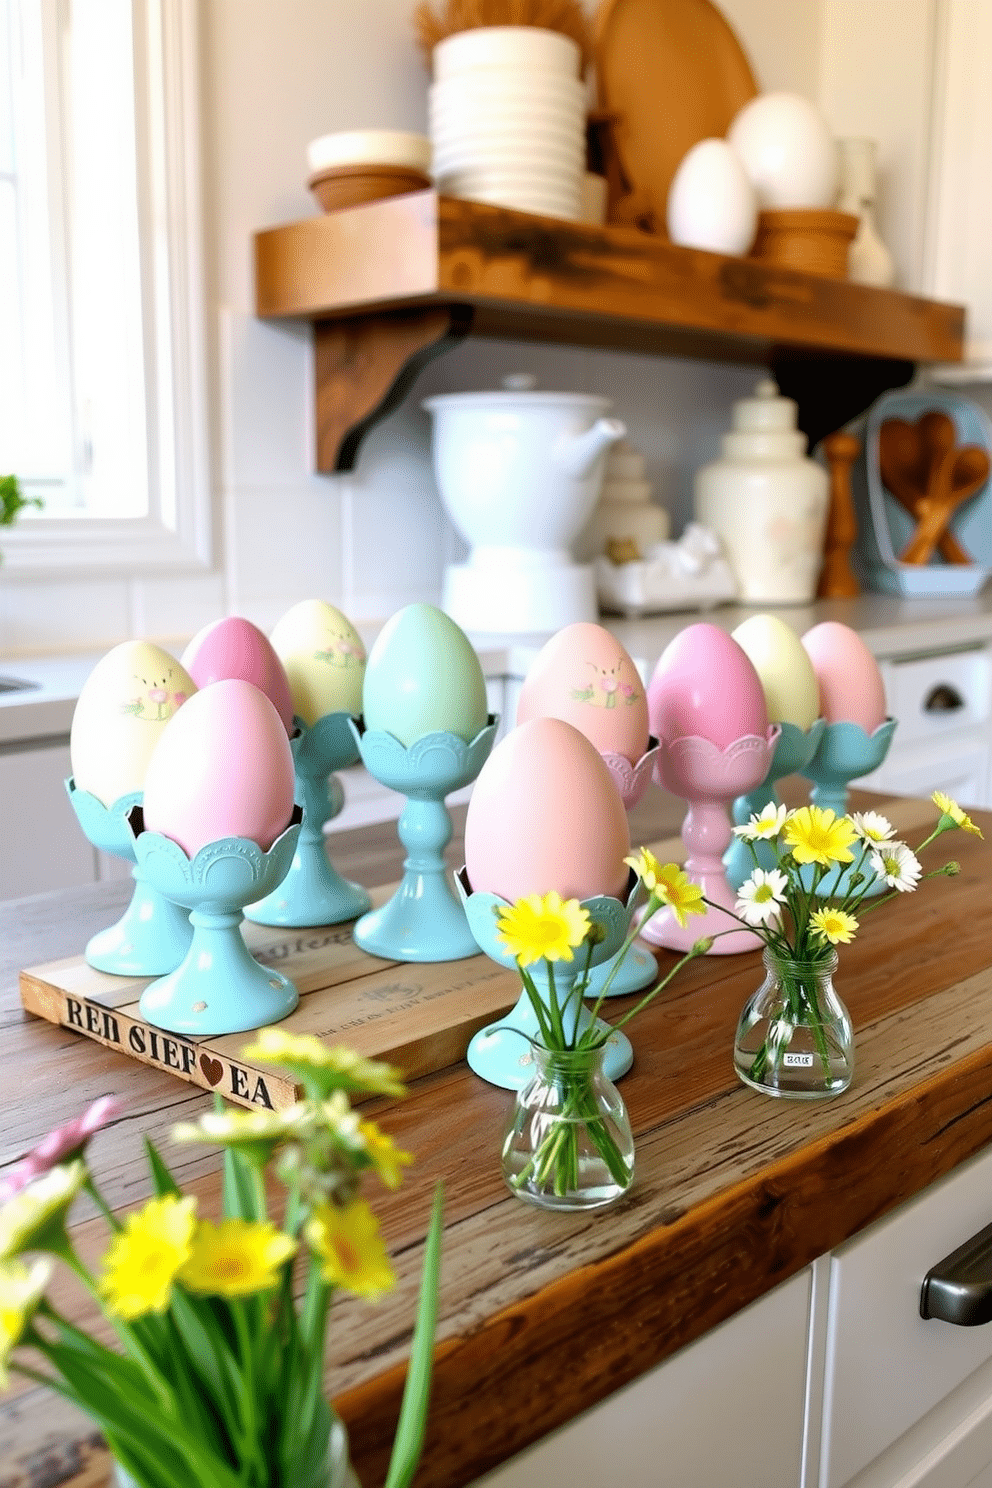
{"x": 123, "y": 707}
{"x": 792, "y": 692}
{"x": 324, "y": 658}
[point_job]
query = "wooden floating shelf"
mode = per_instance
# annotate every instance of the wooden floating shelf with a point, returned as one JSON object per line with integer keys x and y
{"x": 394, "y": 283}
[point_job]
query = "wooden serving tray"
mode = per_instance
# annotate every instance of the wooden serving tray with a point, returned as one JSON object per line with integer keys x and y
{"x": 419, "y": 1017}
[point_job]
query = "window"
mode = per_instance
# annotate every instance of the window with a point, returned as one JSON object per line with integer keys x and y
{"x": 102, "y": 399}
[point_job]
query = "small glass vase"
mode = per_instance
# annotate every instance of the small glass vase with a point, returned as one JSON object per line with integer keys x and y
{"x": 568, "y": 1144}
{"x": 794, "y": 1037}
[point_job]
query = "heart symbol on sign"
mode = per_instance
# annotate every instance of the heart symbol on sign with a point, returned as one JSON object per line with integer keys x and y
{"x": 212, "y": 1069}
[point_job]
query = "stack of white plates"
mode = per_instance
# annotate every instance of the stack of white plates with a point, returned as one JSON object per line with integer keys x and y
{"x": 508, "y": 117}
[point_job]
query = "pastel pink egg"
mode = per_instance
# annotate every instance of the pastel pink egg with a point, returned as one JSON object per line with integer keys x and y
{"x": 545, "y": 815}
{"x": 851, "y": 686}
{"x": 221, "y": 769}
{"x": 236, "y": 648}
{"x": 705, "y": 686}
{"x": 584, "y": 676}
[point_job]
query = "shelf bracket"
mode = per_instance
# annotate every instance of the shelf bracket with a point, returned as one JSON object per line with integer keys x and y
{"x": 364, "y": 367}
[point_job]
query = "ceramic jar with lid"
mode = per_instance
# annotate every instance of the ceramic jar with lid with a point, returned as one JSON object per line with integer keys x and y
{"x": 766, "y": 501}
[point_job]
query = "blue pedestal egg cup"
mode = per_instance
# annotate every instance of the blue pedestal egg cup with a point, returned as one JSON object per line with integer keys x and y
{"x": 153, "y": 934}
{"x": 220, "y": 987}
{"x": 313, "y": 892}
{"x": 423, "y": 921}
{"x": 793, "y": 752}
{"x": 501, "y": 1052}
{"x": 845, "y": 753}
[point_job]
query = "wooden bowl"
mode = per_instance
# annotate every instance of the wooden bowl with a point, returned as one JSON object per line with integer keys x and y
{"x": 812, "y": 240}
{"x": 351, "y": 185}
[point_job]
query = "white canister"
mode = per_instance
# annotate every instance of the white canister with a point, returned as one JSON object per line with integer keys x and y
{"x": 767, "y": 501}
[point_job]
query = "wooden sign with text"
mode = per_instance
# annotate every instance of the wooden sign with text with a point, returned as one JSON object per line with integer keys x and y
{"x": 418, "y": 1016}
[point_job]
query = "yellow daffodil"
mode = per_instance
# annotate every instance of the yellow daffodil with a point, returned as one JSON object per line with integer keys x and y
{"x": 677, "y": 890}
{"x": 235, "y": 1258}
{"x": 543, "y": 928}
{"x": 948, "y": 807}
{"x": 833, "y": 925}
{"x": 330, "y": 1066}
{"x": 818, "y": 836}
{"x": 387, "y": 1159}
{"x": 349, "y": 1245}
{"x": 146, "y": 1256}
{"x": 21, "y": 1289}
{"x": 34, "y": 1219}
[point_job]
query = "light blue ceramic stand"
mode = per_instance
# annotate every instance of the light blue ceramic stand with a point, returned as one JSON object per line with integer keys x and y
{"x": 423, "y": 921}
{"x": 153, "y": 934}
{"x": 846, "y": 753}
{"x": 313, "y": 892}
{"x": 220, "y": 987}
{"x": 501, "y": 1052}
{"x": 793, "y": 752}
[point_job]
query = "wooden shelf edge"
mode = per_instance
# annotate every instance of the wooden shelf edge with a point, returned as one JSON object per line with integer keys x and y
{"x": 576, "y": 282}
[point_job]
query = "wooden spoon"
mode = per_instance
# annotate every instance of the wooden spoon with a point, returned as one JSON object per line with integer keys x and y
{"x": 960, "y": 475}
{"x": 903, "y": 462}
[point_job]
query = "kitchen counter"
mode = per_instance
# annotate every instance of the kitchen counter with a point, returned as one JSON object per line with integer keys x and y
{"x": 543, "y": 1315}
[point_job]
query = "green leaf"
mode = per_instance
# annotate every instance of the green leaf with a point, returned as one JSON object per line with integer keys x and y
{"x": 410, "y": 1429}
{"x": 161, "y": 1176}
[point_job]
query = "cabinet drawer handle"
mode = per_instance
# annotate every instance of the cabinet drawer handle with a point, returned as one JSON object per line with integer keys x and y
{"x": 944, "y": 698}
{"x": 959, "y": 1288}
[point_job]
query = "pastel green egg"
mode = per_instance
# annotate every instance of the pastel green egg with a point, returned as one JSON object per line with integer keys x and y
{"x": 423, "y": 677}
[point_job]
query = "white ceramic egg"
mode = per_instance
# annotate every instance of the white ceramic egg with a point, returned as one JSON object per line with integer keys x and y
{"x": 711, "y": 201}
{"x": 423, "y": 677}
{"x": 787, "y": 150}
{"x": 584, "y": 675}
{"x": 545, "y": 814}
{"x": 223, "y": 768}
{"x": 792, "y": 693}
{"x": 122, "y": 709}
{"x": 324, "y": 659}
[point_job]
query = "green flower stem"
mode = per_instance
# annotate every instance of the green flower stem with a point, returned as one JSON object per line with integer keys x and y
{"x": 554, "y": 1162}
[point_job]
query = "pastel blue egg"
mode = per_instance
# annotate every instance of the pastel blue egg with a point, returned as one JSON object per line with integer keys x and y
{"x": 423, "y": 677}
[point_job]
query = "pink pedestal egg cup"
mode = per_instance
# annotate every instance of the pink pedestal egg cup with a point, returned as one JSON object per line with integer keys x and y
{"x": 707, "y": 707}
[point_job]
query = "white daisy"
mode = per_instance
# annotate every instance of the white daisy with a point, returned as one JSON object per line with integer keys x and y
{"x": 764, "y": 826}
{"x": 898, "y": 865}
{"x": 759, "y": 896}
{"x": 872, "y": 827}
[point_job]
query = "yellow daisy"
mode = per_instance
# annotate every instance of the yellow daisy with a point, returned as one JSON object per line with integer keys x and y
{"x": 646, "y": 866}
{"x": 818, "y": 836}
{"x": 146, "y": 1256}
{"x": 547, "y": 928}
{"x": 950, "y": 808}
{"x": 231, "y": 1128}
{"x": 387, "y": 1158}
{"x": 333, "y": 1066}
{"x": 350, "y": 1246}
{"x": 677, "y": 890}
{"x": 21, "y": 1289}
{"x": 34, "y": 1219}
{"x": 835, "y": 926}
{"x": 235, "y": 1258}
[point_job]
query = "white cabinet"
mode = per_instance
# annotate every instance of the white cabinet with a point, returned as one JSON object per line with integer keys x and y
{"x": 907, "y": 1400}
{"x": 943, "y": 703}
{"x": 727, "y": 1410}
{"x": 41, "y": 845}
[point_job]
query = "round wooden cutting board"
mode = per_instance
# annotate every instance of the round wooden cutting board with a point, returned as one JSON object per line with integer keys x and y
{"x": 671, "y": 72}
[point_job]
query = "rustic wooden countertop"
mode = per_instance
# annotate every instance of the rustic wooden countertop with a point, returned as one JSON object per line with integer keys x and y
{"x": 543, "y": 1315}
